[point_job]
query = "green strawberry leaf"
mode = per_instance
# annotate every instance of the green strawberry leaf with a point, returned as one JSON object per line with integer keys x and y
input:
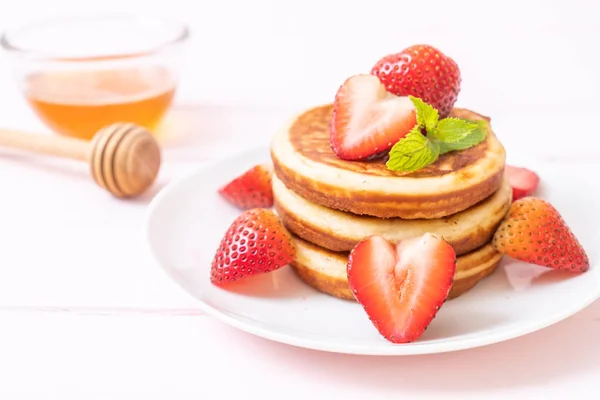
{"x": 427, "y": 116}
{"x": 413, "y": 152}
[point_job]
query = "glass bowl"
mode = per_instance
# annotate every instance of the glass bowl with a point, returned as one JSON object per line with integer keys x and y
{"x": 81, "y": 73}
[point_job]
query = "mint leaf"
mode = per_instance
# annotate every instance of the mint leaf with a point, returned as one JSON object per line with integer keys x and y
{"x": 453, "y": 129}
{"x": 413, "y": 152}
{"x": 427, "y": 116}
{"x": 470, "y": 139}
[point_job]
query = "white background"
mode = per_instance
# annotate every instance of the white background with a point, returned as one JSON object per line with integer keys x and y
{"x": 85, "y": 313}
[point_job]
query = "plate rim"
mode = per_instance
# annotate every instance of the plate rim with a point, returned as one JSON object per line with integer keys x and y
{"x": 386, "y": 349}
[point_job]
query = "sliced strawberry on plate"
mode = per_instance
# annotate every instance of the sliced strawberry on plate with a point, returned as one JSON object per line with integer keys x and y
{"x": 367, "y": 120}
{"x": 255, "y": 243}
{"x": 401, "y": 287}
{"x": 424, "y": 72}
{"x": 533, "y": 231}
{"x": 252, "y": 189}
{"x": 524, "y": 182}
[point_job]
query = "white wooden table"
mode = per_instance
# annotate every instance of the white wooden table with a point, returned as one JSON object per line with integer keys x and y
{"x": 85, "y": 313}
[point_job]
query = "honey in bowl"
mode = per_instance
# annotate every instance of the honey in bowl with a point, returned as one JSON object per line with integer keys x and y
{"x": 79, "y": 103}
{"x": 81, "y": 73}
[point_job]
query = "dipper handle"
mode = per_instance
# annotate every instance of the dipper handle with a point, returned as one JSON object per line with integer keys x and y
{"x": 59, "y": 146}
{"x": 123, "y": 158}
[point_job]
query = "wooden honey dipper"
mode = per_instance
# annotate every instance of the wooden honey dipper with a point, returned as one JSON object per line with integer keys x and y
{"x": 124, "y": 158}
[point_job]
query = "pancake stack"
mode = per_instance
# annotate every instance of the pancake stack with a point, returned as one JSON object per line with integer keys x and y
{"x": 329, "y": 204}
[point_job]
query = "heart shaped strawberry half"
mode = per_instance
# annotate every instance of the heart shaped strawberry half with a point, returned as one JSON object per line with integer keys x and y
{"x": 367, "y": 120}
{"x": 401, "y": 287}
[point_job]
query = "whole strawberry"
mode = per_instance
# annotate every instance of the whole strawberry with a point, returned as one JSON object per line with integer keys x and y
{"x": 255, "y": 243}
{"x": 533, "y": 231}
{"x": 424, "y": 72}
{"x": 252, "y": 189}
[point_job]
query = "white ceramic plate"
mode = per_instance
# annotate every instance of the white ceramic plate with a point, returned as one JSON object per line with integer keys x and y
{"x": 187, "y": 219}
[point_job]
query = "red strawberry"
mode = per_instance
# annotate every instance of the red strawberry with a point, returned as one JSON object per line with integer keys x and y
{"x": 255, "y": 243}
{"x": 424, "y": 72}
{"x": 367, "y": 120}
{"x": 533, "y": 231}
{"x": 524, "y": 182}
{"x": 401, "y": 287}
{"x": 252, "y": 189}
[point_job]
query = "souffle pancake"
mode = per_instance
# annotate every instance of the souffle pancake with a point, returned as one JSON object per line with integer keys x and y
{"x": 340, "y": 231}
{"x": 304, "y": 161}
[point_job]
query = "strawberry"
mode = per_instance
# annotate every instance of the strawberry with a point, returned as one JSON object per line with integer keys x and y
{"x": 533, "y": 231}
{"x": 255, "y": 243}
{"x": 424, "y": 72}
{"x": 524, "y": 182}
{"x": 252, "y": 189}
{"x": 401, "y": 287}
{"x": 367, "y": 120}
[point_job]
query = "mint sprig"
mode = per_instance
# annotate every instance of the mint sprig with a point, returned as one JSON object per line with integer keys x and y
{"x": 416, "y": 151}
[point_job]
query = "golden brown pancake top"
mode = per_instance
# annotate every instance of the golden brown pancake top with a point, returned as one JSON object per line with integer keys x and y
{"x": 309, "y": 135}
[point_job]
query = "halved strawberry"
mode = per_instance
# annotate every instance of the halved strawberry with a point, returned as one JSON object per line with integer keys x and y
{"x": 252, "y": 189}
{"x": 255, "y": 243}
{"x": 524, "y": 182}
{"x": 368, "y": 120}
{"x": 401, "y": 287}
{"x": 534, "y": 231}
